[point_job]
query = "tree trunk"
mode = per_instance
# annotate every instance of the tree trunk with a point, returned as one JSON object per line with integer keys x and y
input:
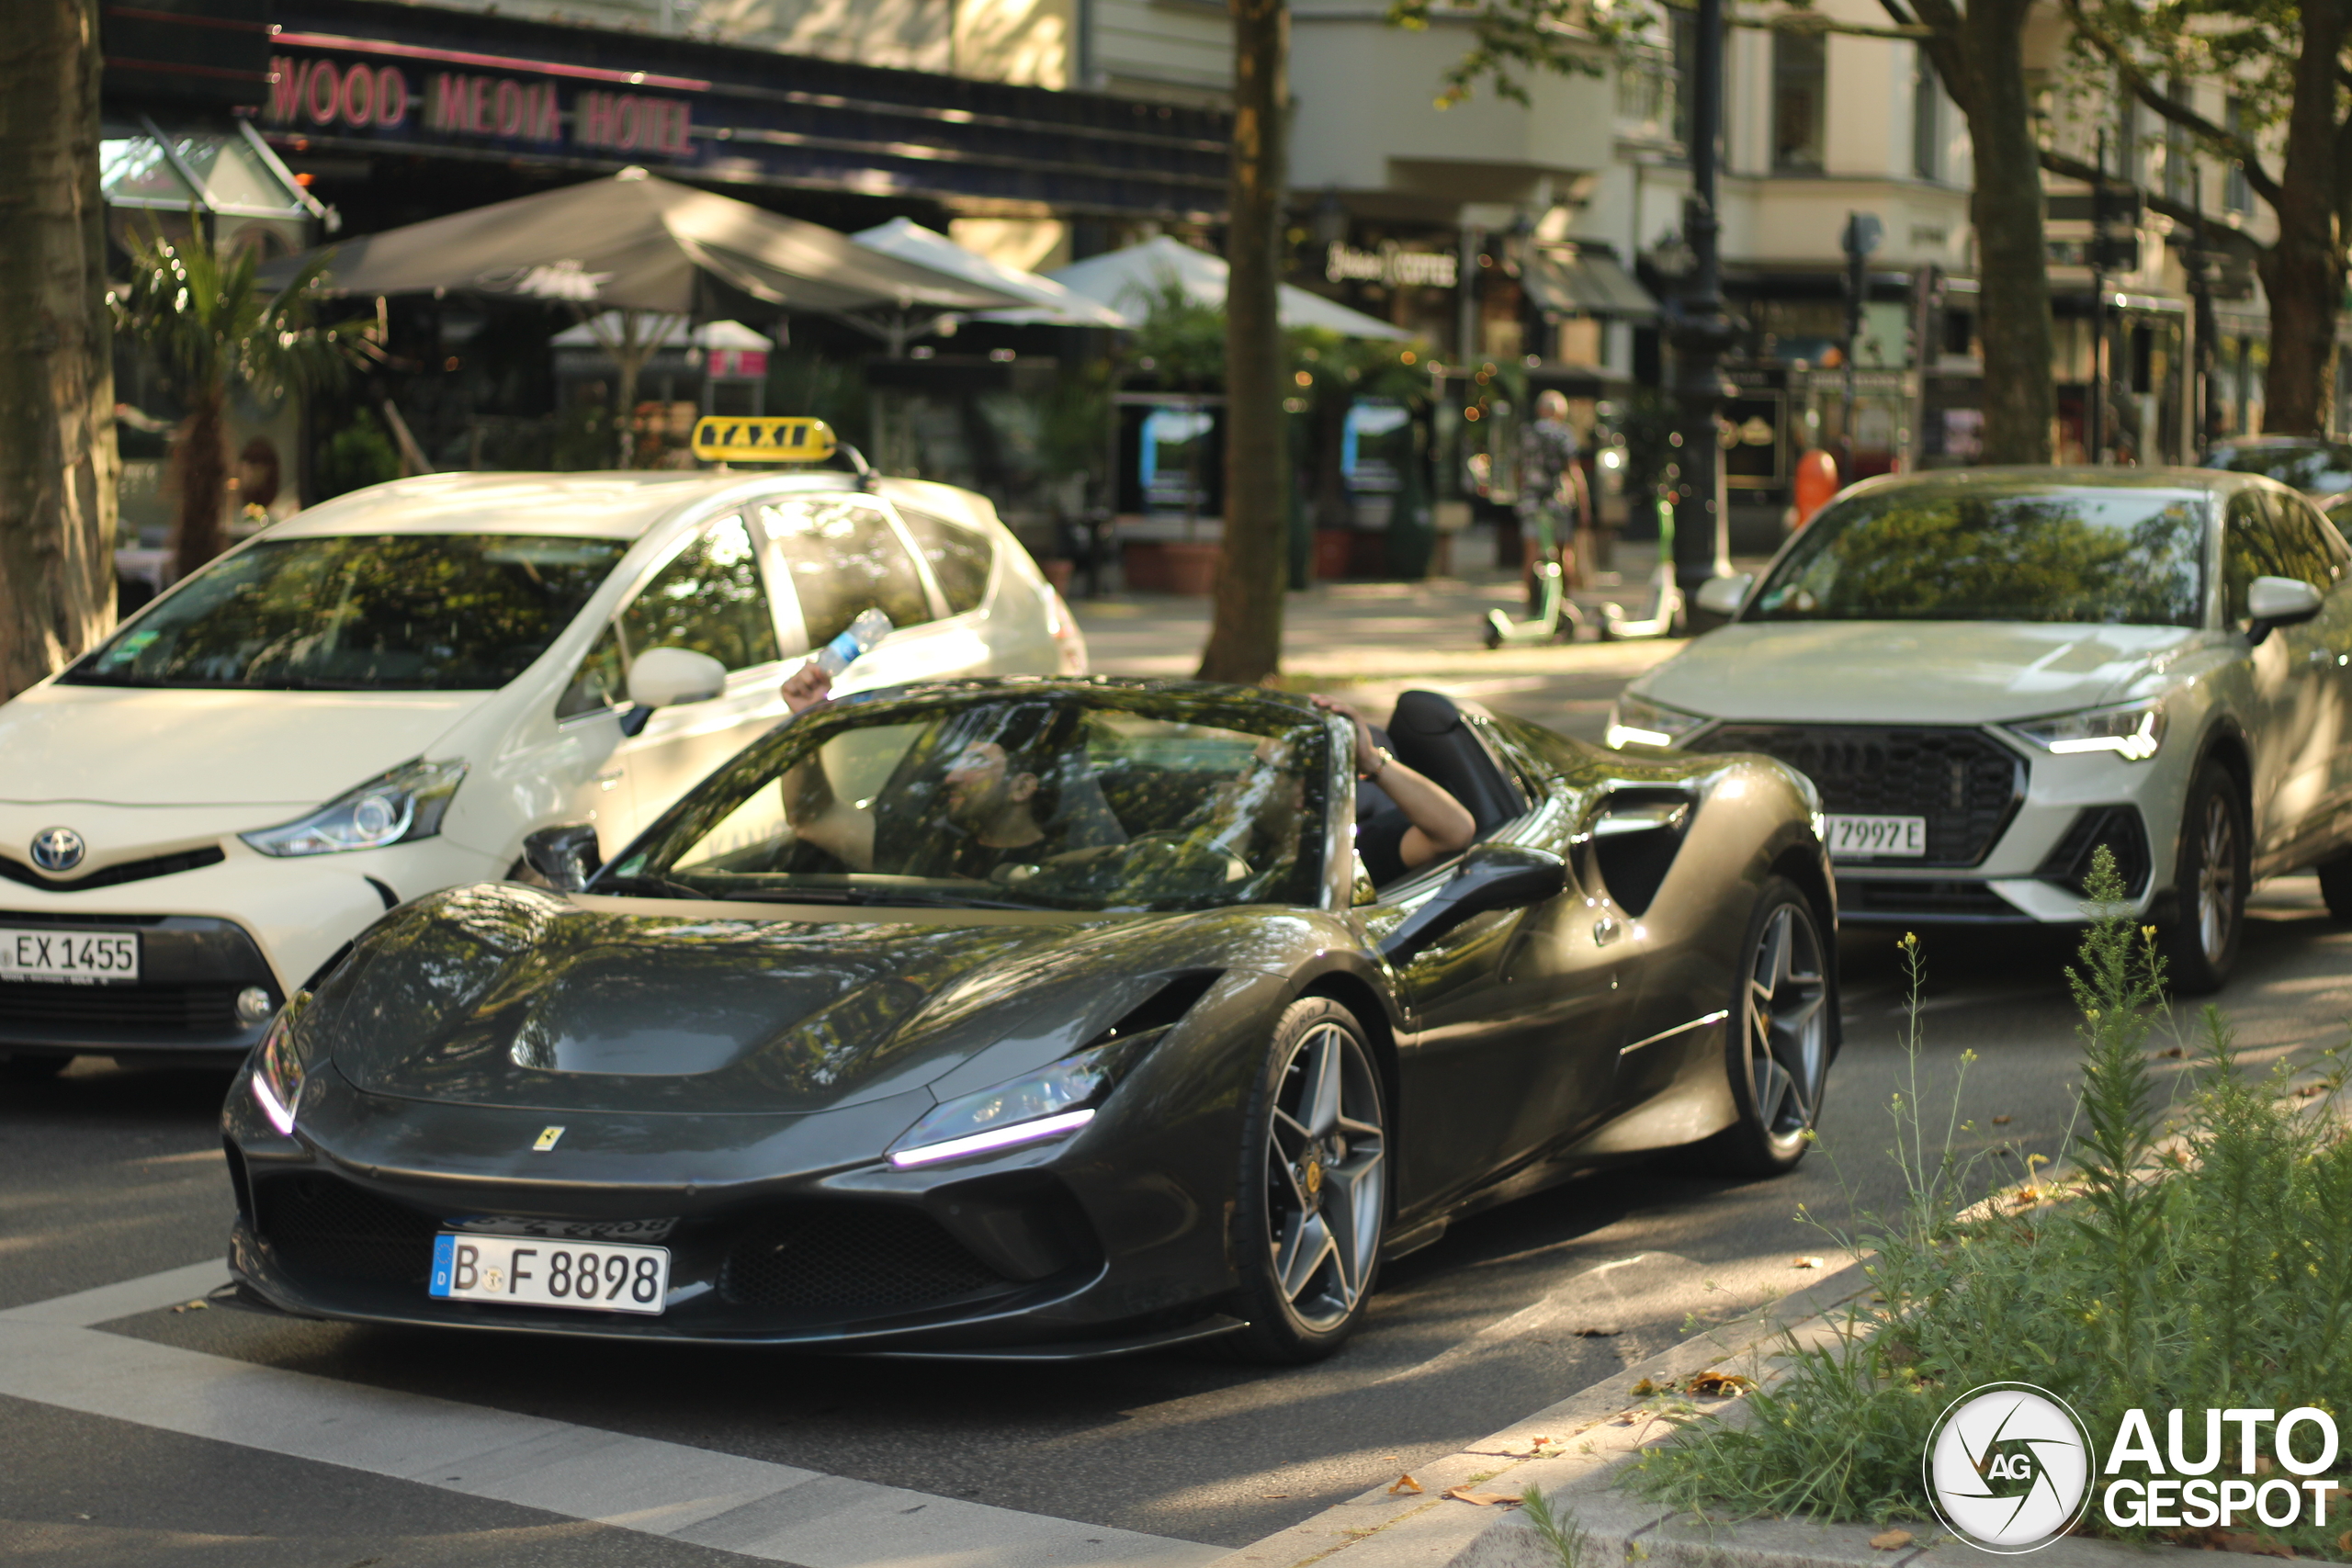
{"x": 1246, "y": 637}
{"x": 2013, "y": 304}
{"x": 57, "y": 453}
{"x": 2303, "y": 271}
{"x": 203, "y": 461}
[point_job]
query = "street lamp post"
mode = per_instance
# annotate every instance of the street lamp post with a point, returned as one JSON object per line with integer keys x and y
{"x": 1700, "y": 330}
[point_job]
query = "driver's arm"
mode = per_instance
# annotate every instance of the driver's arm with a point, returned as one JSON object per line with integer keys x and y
{"x": 1441, "y": 825}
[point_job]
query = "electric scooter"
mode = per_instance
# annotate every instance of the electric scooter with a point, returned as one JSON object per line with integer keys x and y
{"x": 1556, "y": 614}
{"x": 1666, "y": 616}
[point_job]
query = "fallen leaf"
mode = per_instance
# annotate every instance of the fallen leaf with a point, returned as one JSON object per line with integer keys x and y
{"x": 2344, "y": 1542}
{"x": 1270, "y": 1496}
{"x": 1718, "y": 1385}
{"x": 1892, "y": 1541}
{"x": 1643, "y": 1388}
{"x": 1521, "y": 1447}
{"x": 1998, "y": 1122}
{"x": 1404, "y": 1483}
{"x": 2175, "y": 1051}
{"x": 1806, "y": 1263}
{"x": 1469, "y": 1493}
{"x": 1595, "y": 1331}
{"x": 193, "y": 1306}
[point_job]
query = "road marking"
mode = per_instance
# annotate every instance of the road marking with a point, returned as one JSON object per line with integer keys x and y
{"x": 51, "y": 1354}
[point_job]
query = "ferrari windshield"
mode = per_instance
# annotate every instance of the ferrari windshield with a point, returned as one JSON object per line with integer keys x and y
{"x": 1098, "y": 800}
{"x": 361, "y": 613}
{"x": 1977, "y": 551}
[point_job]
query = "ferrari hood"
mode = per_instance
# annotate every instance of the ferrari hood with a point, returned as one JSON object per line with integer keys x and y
{"x": 141, "y": 747}
{"x": 1907, "y": 671}
{"x": 504, "y": 996}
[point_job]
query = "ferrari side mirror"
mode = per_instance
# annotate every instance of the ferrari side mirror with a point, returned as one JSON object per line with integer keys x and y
{"x": 663, "y": 677}
{"x": 2278, "y": 602}
{"x": 1491, "y": 877}
{"x": 566, "y": 857}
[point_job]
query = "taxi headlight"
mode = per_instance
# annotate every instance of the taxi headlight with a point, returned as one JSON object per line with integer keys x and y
{"x": 2132, "y": 730}
{"x": 406, "y": 803}
{"x": 1637, "y": 721}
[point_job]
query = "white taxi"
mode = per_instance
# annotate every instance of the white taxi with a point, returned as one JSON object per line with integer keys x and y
{"x": 388, "y": 694}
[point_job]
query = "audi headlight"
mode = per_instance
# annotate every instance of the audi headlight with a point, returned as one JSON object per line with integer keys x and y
{"x": 278, "y": 1073}
{"x": 1637, "y": 721}
{"x": 406, "y": 803}
{"x": 1050, "y": 1103}
{"x": 2132, "y": 730}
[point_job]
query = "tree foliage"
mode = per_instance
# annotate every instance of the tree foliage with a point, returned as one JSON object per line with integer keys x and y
{"x": 215, "y": 329}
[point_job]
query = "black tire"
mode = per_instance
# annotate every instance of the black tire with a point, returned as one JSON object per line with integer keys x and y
{"x": 1316, "y": 1128}
{"x": 27, "y": 1068}
{"x": 2336, "y": 887}
{"x": 1777, "y": 1051}
{"x": 2215, "y": 868}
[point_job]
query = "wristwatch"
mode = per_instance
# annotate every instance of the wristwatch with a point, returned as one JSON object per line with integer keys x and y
{"x": 1386, "y": 757}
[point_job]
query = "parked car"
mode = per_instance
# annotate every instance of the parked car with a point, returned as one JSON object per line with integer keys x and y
{"x": 1988, "y": 673}
{"x": 810, "y": 1064}
{"x": 385, "y": 695}
{"x": 2312, "y": 464}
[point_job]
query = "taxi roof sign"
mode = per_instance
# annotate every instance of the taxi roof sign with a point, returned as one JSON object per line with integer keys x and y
{"x": 762, "y": 438}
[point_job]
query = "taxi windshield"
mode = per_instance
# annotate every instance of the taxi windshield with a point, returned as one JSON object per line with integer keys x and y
{"x": 360, "y": 613}
{"x": 1093, "y": 801}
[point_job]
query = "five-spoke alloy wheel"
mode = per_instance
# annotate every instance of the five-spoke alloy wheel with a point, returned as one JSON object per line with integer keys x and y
{"x": 2200, "y": 942}
{"x": 1314, "y": 1177}
{"x": 1778, "y": 1048}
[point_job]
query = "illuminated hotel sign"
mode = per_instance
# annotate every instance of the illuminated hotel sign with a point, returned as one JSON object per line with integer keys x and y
{"x": 1392, "y": 265}
{"x": 331, "y": 95}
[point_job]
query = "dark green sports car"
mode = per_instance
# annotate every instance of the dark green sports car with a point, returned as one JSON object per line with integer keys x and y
{"x": 1037, "y": 1018}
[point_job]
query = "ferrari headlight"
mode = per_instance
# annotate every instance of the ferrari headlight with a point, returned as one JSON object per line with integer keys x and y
{"x": 278, "y": 1073}
{"x": 1637, "y": 721}
{"x": 2132, "y": 730}
{"x": 406, "y": 803}
{"x": 1050, "y": 1103}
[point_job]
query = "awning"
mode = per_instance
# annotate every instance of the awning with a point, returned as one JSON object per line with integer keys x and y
{"x": 1128, "y": 280}
{"x": 170, "y": 171}
{"x": 1584, "y": 282}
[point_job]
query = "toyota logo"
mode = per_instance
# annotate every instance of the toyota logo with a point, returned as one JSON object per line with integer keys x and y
{"x": 58, "y": 849}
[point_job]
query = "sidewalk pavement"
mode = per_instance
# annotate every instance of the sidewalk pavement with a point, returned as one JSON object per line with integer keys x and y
{"x": 1370, "y": 640}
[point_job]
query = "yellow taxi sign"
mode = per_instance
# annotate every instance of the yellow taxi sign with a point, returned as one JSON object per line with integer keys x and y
{"x": 762, "y": 438}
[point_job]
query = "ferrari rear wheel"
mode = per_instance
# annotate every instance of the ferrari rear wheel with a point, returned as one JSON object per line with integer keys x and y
{"x": 1778, "y": 1051}
{"x": 1314, "y": 1189}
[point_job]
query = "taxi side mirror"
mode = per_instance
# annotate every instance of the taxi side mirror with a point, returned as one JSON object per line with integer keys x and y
{"x": 664, "y": 677}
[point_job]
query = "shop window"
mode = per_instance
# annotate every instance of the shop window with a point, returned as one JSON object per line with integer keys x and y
{"x": 2236, "y": 196}
{"x": 2180, "y": 164}
{"x": 1800, "y": 102}
{"x": 709, "y": 600}
{"x": 843, "y": 557}
{"x": 960, "y": 559}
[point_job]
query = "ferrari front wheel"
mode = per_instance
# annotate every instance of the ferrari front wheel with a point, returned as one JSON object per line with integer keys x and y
{"x": 1778, "y": 1050}
{"x": 1314, "y": 1187}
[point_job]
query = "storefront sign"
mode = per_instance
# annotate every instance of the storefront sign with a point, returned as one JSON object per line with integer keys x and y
{"x": 1392, "y": 265}
{"x": 355, "y": 96}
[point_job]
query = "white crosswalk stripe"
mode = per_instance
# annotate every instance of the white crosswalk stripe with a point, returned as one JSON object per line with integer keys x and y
{"x": 51, "y": 1354}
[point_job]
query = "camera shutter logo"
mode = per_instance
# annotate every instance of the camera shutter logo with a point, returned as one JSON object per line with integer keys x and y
{"x": 58, "y": 849}
{"x": 2008, "y": 1467}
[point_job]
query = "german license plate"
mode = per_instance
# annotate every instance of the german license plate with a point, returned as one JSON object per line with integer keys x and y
{"x": 73, "y": 958}
{"x": 1854, "y": 837}
{"x": 524, "y": 1270}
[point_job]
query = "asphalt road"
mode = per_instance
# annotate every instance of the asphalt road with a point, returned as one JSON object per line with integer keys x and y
{"x": 110, "y": 1174}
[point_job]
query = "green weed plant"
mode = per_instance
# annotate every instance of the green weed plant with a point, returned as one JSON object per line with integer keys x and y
{"x": 2197, "y": 1254}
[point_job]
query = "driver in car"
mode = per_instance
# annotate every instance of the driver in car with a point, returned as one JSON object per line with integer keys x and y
{"x": 990, "y": 809}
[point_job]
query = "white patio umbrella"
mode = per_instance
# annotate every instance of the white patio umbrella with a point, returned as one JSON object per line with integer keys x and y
{"x": 1126, "y": 280}
{"x": 1050, "y": 303}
